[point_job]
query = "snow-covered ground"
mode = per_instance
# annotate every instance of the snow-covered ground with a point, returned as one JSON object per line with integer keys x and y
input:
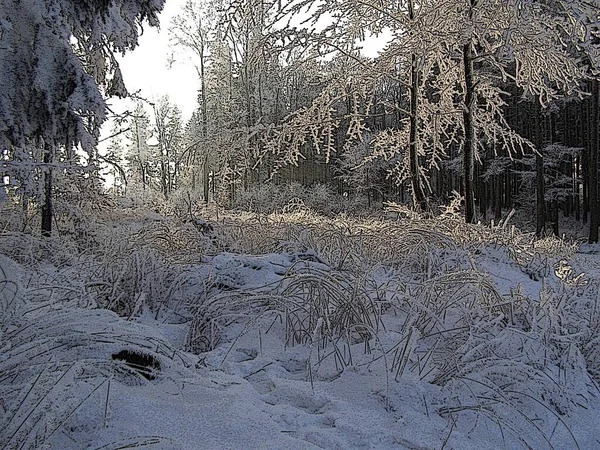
{"x": 419, "y": 340}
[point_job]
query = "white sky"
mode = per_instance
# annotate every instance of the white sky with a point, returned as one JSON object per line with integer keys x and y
{"x": 146, "y": 68}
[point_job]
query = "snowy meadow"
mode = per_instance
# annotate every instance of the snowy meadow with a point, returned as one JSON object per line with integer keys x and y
{"x": 297, "y": 331}
{"x": 238, "y": 278}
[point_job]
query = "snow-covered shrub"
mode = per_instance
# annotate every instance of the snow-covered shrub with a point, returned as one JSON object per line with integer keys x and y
{"x": 573, "y": 312}
{"x": 184, "y": 204}
{"x": 128, "y": 282}
{"x": 288, "y": 198}
{"x": 13, "y": 217}
{"x": 318, "y": 306}
{"x": 266, "y": 198}
{"x": 252, "y": 233}
{"x": 122, "y": 268}
{"x": 11, "y": 294}
{"x": 345, "y": 243}
{"x": 332, "y": 244}
{"x": 260, "y": 198}
{"x": 137, "y": 269}
{"x": 323, "y": 306}
{"x": 56, "y": 371}
{"x": 138, "y": 196}
{"x": 512, "y": 361}
{"x": 322, "y": 198}
{"x": 33, "y": 251}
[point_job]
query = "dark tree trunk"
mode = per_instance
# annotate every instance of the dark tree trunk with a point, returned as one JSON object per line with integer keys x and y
{"x": 47, "y": 207}
{"x": 419, "y": 197}
{"x": 555, "y": 224}
{"x": 585, "y": 122}
{"x": 577, "y": 188}
{"x": 593, "y": 167}
{"x": 205, "y": 179}
{"x": 540, "y": 228}
{"x": 482, "y": 191}
{"x": 469, "y": 128}
{"x": 498, "y": 198}
{"x": 508, "y": 197}
{"x": 540, "y": 195}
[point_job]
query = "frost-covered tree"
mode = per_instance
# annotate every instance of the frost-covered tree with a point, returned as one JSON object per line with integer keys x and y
{"x": 517, "y": 41}
{"x": 362, "y": 173}
{"x": 114, "y": 157}
{"x": 57, "y": 62}
{"x": 138, "y": 155}
{"x": 453, "y": 59}
{"x": 192, "y": 160}
{"x": 238, "y": 88}
{"x": 168, "y": 133}
{"x": 193, "y": 31}
{"x": 580, "y": 23}
{"x": 409, "y": 63}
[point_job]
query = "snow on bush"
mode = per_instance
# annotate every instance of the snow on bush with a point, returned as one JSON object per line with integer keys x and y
{"x": 503, "y": 326}
{"x": 293, "y": 197}
{"x": 56, "y": 357}
{"x": 513, "y": 361}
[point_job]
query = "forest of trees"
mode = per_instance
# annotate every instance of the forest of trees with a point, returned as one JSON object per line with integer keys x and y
{"x": 496, "y": 100}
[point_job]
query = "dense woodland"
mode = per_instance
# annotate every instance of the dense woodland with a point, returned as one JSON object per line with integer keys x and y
{"x": 496, "y": 101}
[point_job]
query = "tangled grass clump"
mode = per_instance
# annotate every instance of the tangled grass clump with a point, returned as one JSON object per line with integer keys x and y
{"x": 58, "y": 363}
{"x": 523, "y": 364}
{"x": 405, "y": 296}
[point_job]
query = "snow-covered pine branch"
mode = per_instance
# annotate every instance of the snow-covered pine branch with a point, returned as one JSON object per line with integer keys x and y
{"x": 57, "y": 60}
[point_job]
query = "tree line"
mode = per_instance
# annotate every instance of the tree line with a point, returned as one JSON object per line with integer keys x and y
{"x": 496, "y": 100}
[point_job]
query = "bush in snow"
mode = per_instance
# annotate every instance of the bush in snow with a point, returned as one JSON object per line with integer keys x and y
{"x": 293, "y": 197}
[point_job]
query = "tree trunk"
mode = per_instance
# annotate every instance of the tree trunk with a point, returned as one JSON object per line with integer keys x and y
{"x": 25, "y": 210}
{"x": 206, "y": 179}
{"x": 204, "y": 124}
{"x": 585, "y": 122}
{"x": 469, "y": 128}
{"x": 498, "y": 198}
{"x": 593, "y": 168}
{"x": 577, "y": 176}
{"x": 419, "y": 197}
{"x": 482, "y": 194}
{"x": 540, "y": 227}
{"x": 540, "y": 195}
{"x": 555, "y": 223}
{"x": 47, "y": 207}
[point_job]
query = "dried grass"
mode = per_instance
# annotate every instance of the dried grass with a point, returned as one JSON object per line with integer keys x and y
{"x": 513, "y": 360}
